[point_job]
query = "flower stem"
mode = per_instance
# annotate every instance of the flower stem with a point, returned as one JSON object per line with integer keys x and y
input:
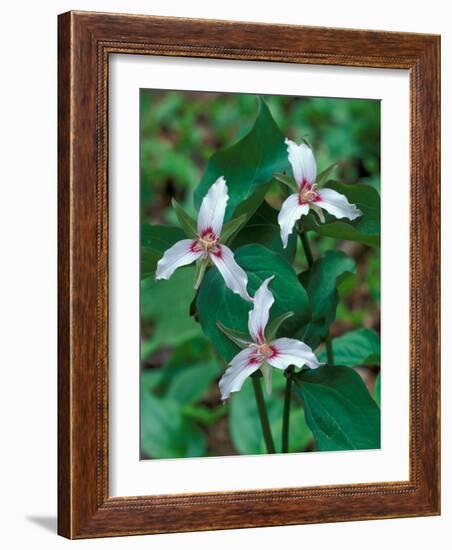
{"x": 306, "y": 247}
{"x": 268, "y": 438}
{"x": 329, "y": 349}
{"x": 286, "y": 412}
{"x": 193, "y": 310}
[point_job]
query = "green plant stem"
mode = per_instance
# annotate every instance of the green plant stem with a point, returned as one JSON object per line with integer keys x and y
{"x": 306, "y": 247}
{"x": 193, "y": 311}
{"x": 268, "y": 438}
{"x": 286, "y": 412}
{"x": 329, "y": 350}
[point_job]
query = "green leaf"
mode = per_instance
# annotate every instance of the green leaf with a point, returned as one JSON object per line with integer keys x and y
{"x": 205, "y": 415}
{"x": 321, "y": 283}
{"x": 339, "y": 410}
{"x": 232, "y": 227}
{"x": 323, "y": 176}
{"x": 365, "y": 229}
{"x": 245, "y": 427}
{"x": 249, "y": 163}
{"x": 165, "y": 432}
{"x": 187, "y": 223}
{"x": 377, "y": 389}
{"x": 217, "y": 303}
{"x": 288, "y": 181}
{"x": 150, "y": 379}
{"x": 252, "y": 203}
{"x": 188, "y": 373}
{"x": 263, "y": 228}
{"x": 240, "y": 339}
{"x": 155, "y": 240}
{"x": 192, "y": 382}
{"x": 356, "y": 348}
{"x": 168, "y": 396}
{"x": 324, "y": 276}
{"x": 166, "y": 304}
{"x": 274, "y": 326}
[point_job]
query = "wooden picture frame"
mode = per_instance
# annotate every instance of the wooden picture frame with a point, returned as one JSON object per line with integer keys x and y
{"x": 85, "y": 43}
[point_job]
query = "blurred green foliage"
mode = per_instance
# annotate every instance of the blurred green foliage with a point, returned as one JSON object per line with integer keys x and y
{"x": 181, "y": 411}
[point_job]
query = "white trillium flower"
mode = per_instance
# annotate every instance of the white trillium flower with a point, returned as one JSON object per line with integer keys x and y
{"x": 304, "y": 170}
{"x": 207, "y": 244}
{"x": 279, "y": 353}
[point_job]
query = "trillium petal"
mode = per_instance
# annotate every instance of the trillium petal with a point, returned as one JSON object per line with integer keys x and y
{"x": 303, "y": 163}
{"x": 242, "y": 366}
{"x": 288, "y": 351}
{"x": 182, "y": 253}
{"x": 337, "y": 204}
{"x": 213, "y": 207}
{"x": 258, "y": 316}
{"x": 233, "y": 275}
{"x": 290, "y": 212}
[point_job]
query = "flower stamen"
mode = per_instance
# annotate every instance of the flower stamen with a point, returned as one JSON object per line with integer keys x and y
{"x": 308, "y": 193}
{"x": 208, "y": 241}
{"x": 264, "y": 351}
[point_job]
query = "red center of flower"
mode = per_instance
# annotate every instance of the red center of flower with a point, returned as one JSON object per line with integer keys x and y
{"x": 308, "y": 193}
{"x": 266, "y": 350}
{"x": 262, "y": 352}
{"x": 208, "y": 241}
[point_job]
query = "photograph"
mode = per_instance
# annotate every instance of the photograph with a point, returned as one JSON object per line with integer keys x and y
{"x": 260, "y": 274}
{"x": 223, "y": 248}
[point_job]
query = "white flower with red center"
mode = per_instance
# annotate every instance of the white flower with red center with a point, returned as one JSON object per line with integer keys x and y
{"x": 261, "y": 353}
{"x": 304, "y": 170}
{"x": 207, "y": 244}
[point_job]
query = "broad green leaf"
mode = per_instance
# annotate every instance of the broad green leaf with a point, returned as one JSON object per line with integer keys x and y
{"x": 243, "y": 213}
{"x": 203, "y": 414}
{"x": 188, "y": 373}
{"x": 192, "y": 382}
{"x": 315, "y": 331}
{"x": 187, "y": 223}
{"x": 377, "y": 389}
{"x": 165, "y": 432}
{"x": 249, "y": 163}
{"x": 150, "y": 378}
{"x": 245, "y": 427}
{"x": 263, "y": 228}
{"x": 355, "y": 348}
{"x": 217, "y": 303}
{"x": 155, "y": 240}
{"x": 321, "y": 283}
{"x": 324, "y": 276}
{"x": 252, "y": 203}
{"x": 166, "y": 304}
{"x": 339, "y": 410}
{"x": 365, "y": 229}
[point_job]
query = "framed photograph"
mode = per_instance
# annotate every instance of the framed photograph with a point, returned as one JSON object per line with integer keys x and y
{"x": 248, "y": 275}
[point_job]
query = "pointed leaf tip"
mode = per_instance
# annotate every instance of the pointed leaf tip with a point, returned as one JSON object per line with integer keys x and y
{"x": 187, "y": 223}
{"x": 274, "y": 326}
{"x": 240, "y": 339}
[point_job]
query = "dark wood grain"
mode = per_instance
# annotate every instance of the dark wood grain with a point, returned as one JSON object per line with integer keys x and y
{"x": 85, "y": 41}
{"x": 64, "y": 294}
